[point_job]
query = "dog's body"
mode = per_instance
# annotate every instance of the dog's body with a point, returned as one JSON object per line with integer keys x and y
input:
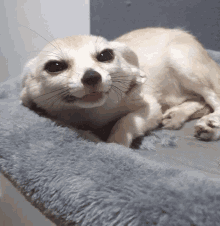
{"x": 143, "y": 78}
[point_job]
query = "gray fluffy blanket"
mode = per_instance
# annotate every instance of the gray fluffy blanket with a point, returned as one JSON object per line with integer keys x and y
{"x": 171, "y": 179}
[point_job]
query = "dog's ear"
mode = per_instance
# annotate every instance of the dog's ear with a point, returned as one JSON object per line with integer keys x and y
{"x": 26, "y": 78}
{"x": 129, "y": 55}
{"x": 131, "y": 58}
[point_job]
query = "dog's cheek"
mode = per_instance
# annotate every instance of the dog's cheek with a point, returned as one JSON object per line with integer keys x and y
{"x": 24, "y": 98}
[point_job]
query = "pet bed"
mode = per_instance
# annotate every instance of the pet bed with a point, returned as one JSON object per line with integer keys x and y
{"x": 170, "y": 179}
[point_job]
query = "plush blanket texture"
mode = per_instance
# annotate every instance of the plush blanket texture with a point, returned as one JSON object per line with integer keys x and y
{"x": 171, "y": 179}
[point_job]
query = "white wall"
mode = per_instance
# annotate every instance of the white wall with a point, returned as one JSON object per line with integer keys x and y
{"x": 51, "y": 19}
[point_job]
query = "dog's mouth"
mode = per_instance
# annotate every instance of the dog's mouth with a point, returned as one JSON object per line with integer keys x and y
{"x": 92, "y": 97}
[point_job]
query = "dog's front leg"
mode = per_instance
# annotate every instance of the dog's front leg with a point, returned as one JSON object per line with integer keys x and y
{"x": 136, "y": 124}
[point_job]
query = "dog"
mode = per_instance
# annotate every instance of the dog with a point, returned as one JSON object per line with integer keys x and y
{"x": 141, "y": 80}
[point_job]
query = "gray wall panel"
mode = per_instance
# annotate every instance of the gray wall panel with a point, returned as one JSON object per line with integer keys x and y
{"x": 111, "y": 18}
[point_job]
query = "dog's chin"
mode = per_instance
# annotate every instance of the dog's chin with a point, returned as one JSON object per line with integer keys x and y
{"x": 92, "y": 100}
{"x": 89, "y": 101}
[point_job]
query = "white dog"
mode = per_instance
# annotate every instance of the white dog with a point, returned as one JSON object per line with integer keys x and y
{"x": 142, "y": 79}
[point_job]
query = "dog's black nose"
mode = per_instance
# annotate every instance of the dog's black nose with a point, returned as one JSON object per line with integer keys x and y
{"x": 91, "y": 78}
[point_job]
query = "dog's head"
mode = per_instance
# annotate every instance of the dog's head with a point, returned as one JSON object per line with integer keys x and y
{"x": 79, "y": 71}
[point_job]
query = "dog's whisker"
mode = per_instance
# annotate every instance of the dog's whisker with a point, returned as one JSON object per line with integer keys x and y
{"x": 50, "y": 92}
{"x": 118, "y": 91}
{"x": 56, "y": 97}
{"x": 57, "y": 47}
{"x": 39, "y": 35}
{"x": 113, "y": 88}
{"x": 49, "y": 53}
{"x": 51, "y": 98}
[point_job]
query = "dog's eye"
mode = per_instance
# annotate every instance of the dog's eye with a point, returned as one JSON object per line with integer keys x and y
{"x": 106, "y": 55}
{"x": 55, "y": 66}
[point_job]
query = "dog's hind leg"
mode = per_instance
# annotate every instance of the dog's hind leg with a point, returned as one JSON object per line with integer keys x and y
{"x": 175, "y": 117}
{"x": 197, "y": 72}
{"x": 208, "y": 127}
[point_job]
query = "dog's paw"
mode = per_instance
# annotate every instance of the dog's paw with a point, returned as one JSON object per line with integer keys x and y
{"x": 119, "y": 138}
{"x": 208, "y": 128}
{"x": 89, "y": 135}
{"x": 173, "y": 118}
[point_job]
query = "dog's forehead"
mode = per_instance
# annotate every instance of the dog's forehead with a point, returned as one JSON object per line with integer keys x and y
{"x": 77, "y": 44}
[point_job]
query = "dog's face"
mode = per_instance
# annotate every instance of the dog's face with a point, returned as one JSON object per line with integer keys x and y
{"x": 80, "y": 71}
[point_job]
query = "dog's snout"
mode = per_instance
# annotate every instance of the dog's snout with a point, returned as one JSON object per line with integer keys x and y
{"x": 91, "y": 78}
